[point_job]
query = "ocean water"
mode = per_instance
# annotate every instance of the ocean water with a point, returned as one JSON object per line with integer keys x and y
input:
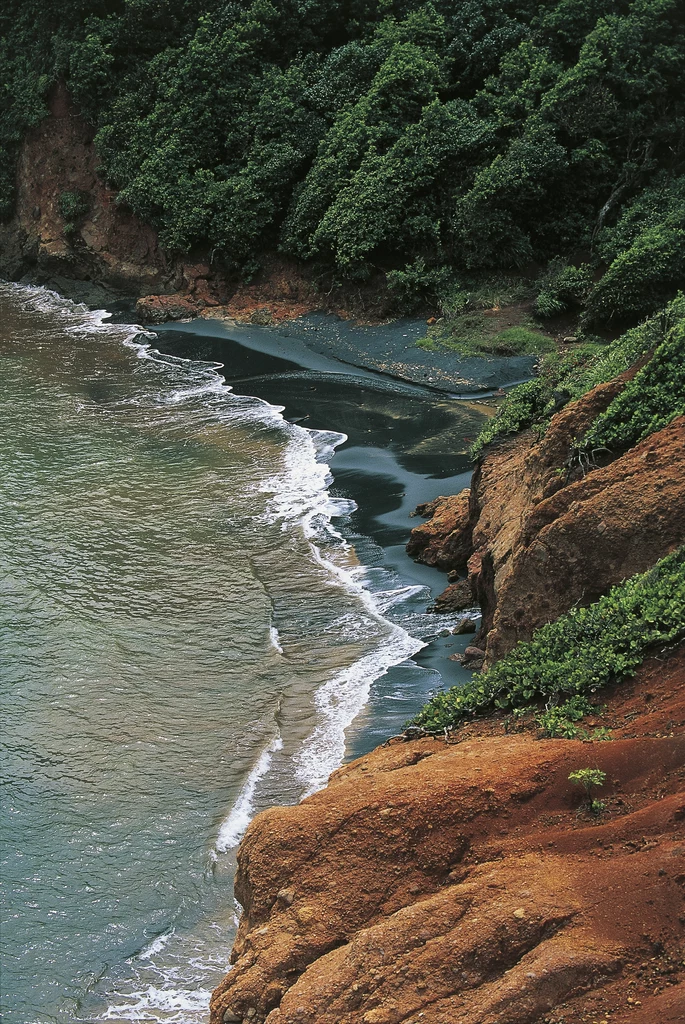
{"x": 195, "y": 624}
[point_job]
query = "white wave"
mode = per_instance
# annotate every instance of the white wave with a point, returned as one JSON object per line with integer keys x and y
{"x": 275, "y": 639}
{"x": 76, "y": 317}
{"x": 299, "y": 492}
{"x": 234, "y": 827}
{"x": 386, "y": 599}
{"x": 157, "y": 945}
{"x": 172, "y": 1005}
{"x": 215, "y": 385}
{"x": 299, "y": 496}
{"x": 338, "y": 702}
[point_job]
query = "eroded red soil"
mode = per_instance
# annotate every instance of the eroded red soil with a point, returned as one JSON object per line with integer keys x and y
{"x": 464, "y": 883}
{"x": 541, "y": 536}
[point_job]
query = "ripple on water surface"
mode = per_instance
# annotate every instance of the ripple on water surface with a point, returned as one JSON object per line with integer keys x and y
{"x": 180, "y": 627}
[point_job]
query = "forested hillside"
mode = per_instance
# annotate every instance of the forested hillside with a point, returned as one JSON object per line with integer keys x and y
{"x": 433, "y": 141}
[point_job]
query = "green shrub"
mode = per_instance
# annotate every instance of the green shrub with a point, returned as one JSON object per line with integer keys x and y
{"x": 524, "y": 406}
{"x": 653, "y": 398}
{"x": 646, "y": 254}
{"x": 643, "y": 277}
{"x": 580, "y": 653}
{"x": 662, "y": 202}
{"x": 649, "y": 402}
{"x": 363, "y": 134}
{"x": 559, "y": 721}
{"x": 419, "y": 284}
{"x": 533, "y": 402}
{"x": 72, "y": 207}
{"x": 590, "y": 779}
{"x": 563, "y": 287}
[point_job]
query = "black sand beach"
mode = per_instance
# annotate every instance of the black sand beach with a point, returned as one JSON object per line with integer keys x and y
{"x": 406, "y": 444}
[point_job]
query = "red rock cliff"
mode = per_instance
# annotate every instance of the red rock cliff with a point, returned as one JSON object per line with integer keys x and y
{"x": 111, "y": 245}
{"x": 537, "y": 543}
{"x": 462, "y": 883}
{"x": 432, "y": 883}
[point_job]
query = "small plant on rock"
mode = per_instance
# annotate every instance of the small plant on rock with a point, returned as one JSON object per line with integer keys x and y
{"x": 589, "y": 778}
{"x": 72, "y": 206}
{"x": 559, "y": 722}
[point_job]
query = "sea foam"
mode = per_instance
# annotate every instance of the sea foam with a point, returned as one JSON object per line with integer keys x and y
{"x": 235, "y": 825}
{"x": 299, "y": 498}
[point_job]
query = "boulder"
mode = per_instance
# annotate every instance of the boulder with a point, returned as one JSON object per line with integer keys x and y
{"x": 455, "y": 598}
{"x": 444, "y": 541}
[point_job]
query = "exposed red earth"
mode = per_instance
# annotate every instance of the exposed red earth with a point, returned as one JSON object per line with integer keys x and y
{"x": 463, "y": 883}
{"x": 436, "y": 883}
{"x": 540, "y": 536}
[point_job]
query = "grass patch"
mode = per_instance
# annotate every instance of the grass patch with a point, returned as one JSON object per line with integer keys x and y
{"x": 487, "y": 335}
{"x": 518, "y": 341}
{"x": 492, "y": 292}
{"x": 487, "y": 316}
{"x": 583, "y": 651}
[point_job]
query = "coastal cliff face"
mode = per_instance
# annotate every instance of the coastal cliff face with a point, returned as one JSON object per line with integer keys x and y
{"x": 439, "y": 883}
{"x": 541, "y": 537}
{"x": 111, "y": 245}
{"x": 465, "y": 882}
{"x": 110, "y": 250}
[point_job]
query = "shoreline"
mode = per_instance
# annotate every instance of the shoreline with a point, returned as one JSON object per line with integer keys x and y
{"x": 466, "y": 878}
{"x": 387, "y": 348}
{"x": 321, "y": 880}
{"x": 376, "y": 470}
{"x": 405, "y": 394}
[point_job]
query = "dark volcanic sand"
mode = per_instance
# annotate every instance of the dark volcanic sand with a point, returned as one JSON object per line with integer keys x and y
{"x": 392, "y": 349}
{"x": 405, "y": 444}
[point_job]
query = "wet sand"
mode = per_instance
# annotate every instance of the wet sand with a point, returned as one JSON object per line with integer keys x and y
{"x": 392, "y": 350}
{"x": 405, "y": 444}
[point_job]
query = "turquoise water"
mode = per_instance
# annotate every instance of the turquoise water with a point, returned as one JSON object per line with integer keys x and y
{"x": 185, "y": 638}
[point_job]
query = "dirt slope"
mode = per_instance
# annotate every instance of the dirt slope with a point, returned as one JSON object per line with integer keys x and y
{"x": 537, "y": 543}
{"x": 463, "y": 884}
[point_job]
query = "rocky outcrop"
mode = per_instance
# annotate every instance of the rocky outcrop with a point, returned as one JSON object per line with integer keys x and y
{"x": 109, "y": 244}
{"x": 439, "y": 883}
{"x": 455, "y": 598}
{"x": 445, "y": 540}
{"x": 542, "y": 537}
{"x": 578, "y": 542}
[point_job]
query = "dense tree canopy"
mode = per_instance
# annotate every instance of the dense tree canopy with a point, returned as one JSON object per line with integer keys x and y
{"x": 428, "y": 139}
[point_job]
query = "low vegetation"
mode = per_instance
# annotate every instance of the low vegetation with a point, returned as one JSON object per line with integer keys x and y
{"x": 563, "y": 287}
{"x": 480, "y": 334}
{"x": 72, "y": 207}
{"x": 559, "y": 721}
{"x": 650, "y": 401}
{"x": 654, "y": 397}
{"x": 590, "y": 779}
{"x": 570, "y": 660}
